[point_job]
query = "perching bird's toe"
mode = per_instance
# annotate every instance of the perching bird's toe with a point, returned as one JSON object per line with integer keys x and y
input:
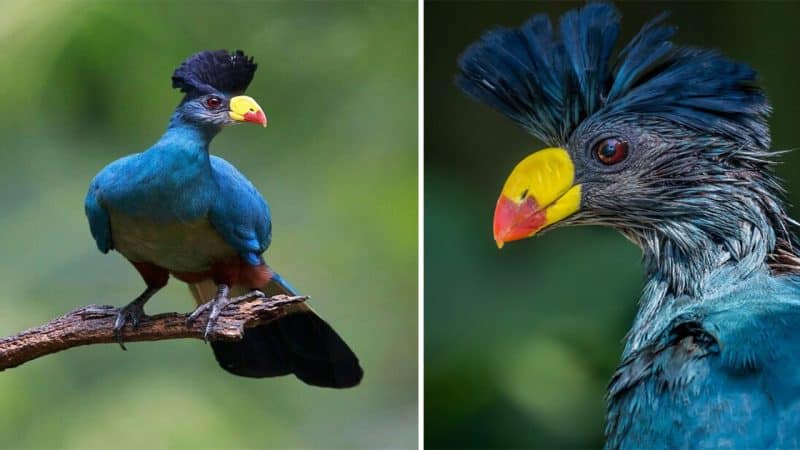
{"x": 218, "y": 304}
{"x": 197, "y": 312}
{"x": 133, "y": 313}
{"x": 252, "y": 295}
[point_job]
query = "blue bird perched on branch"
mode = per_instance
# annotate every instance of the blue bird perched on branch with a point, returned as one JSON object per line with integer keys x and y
{"x": 670, "y": 146}
{"x": 176, "y": 210}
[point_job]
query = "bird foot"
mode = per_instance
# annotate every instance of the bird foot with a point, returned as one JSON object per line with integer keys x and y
{"x": 217, "y": 305}
{"x": 133, "y": 312}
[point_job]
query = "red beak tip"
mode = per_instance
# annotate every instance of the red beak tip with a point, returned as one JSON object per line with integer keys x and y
{"x": 515, "y": 221}
{"x": 256, "y": 117}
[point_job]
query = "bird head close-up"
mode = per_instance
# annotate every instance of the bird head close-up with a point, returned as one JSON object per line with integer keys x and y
{"x": 214, "y": 83}
{"x": 670, "y": 145}
{"x": 665, "y": 143}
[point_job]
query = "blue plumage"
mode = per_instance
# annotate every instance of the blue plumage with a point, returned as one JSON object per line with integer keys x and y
{"x": 244, "y": 223}
{"x": 168, "y": 182}
{"x": 722, "y": 374}
{"x": 176, "y": 210}
{"x": 710, "y": 361}
{"x": 176, "y": 180}
{"x": 99, "y": 222}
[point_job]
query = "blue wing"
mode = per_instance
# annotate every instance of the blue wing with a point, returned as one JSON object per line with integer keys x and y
{"x": 239, "y": 212}
{"x": 724, "y": 378}
{"x": 99, "y": 222}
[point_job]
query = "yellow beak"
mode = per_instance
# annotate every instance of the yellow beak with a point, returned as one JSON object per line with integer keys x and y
{"x": 245, "y": 109}
{"x": 539, "y": 192}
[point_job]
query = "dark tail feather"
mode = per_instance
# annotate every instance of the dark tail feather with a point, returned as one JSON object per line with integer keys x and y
{"x": 300, "y": 343}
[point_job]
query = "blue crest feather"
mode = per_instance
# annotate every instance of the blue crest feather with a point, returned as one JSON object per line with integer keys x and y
{"x": 551, "y": 82}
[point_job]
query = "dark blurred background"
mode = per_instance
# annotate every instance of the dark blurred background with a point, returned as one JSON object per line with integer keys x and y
{"x": 520, "y": 343}
{"x": 86, "y": 82}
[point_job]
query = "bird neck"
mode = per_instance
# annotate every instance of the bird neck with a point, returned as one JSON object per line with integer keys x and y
{"x": 725, "y": 243}
{"x": 189, "y": 134}
{"x": 182, "y": 151}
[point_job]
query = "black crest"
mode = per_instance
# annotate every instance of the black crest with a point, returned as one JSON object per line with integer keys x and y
{"x": 214, "y": 71}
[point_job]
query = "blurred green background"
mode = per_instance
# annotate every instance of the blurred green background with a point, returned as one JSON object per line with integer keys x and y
{"x": 520, "y": 343}
{"x": 87, "y": 82}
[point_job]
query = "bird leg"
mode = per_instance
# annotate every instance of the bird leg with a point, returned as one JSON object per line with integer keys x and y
{"x": 133, "y": 312}
{"x": 218, "y": 304}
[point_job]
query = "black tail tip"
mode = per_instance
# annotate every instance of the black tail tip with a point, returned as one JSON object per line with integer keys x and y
{"x": 300, "y": 343}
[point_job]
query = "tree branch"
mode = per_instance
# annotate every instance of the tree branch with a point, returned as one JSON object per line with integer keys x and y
{"x": 93, "y": 324}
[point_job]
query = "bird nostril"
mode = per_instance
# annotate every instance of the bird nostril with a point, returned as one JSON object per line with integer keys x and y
{"x": 252, "y": 110}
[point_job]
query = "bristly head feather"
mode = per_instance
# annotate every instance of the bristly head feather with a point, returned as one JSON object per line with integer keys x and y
{"x": 550, "y": 82}
{"x": 216, "y": 71}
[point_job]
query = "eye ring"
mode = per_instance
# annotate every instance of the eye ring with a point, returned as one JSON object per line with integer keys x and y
{"x": 611, "y": 151}
{"x": 213, "y": 102}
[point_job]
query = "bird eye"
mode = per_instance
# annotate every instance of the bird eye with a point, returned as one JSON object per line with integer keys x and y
{"x": 213, "y": 102}
{"x": 611, "y": 151}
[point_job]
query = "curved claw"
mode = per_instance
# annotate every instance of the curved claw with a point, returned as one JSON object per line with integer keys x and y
{"x": 134, "y": 311}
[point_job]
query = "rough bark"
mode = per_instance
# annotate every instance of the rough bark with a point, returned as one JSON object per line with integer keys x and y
{"x": 93, "y": 324}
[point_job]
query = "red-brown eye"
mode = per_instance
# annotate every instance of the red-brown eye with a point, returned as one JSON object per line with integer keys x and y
{"x": 611, "y": 151}
{"x": 213, "y": 102}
